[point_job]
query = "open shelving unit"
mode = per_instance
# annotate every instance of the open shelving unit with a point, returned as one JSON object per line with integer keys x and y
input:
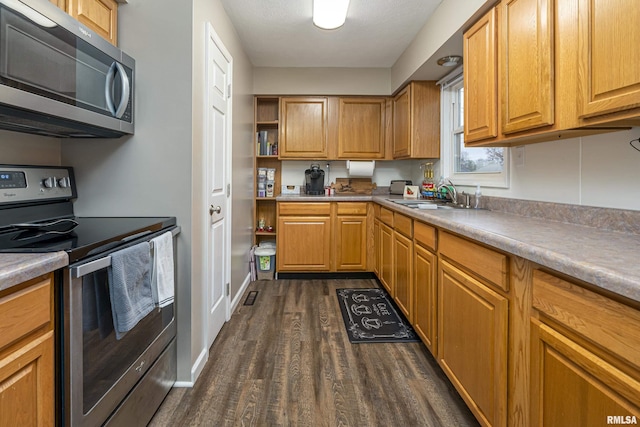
{"x": 266, "y": 119}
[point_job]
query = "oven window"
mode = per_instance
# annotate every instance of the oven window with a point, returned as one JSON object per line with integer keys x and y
{"x": 106, "y": 359}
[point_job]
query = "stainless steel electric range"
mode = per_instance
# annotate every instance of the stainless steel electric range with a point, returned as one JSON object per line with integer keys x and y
{"x": 101, "y": 378}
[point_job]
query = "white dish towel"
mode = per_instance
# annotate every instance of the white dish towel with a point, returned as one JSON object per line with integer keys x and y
{"x": 162, "y": 283}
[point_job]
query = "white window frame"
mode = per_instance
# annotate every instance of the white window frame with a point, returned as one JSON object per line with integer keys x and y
{"x": 449, "y": 84}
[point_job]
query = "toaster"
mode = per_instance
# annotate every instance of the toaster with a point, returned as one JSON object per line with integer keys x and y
{"x": 397, "y": 186}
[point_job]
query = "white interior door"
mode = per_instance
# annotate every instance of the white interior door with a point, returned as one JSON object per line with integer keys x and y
{"x": 218, "y": 148}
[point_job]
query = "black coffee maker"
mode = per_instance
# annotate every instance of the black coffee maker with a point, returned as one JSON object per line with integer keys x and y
{"x": 314, "y": 180}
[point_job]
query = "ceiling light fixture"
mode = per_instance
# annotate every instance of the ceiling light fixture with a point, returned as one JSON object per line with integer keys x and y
{"x": 329, "y": 14}
{"x": 450, "y": 61}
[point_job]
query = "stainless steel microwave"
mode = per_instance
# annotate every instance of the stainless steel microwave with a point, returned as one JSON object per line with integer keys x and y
{"x": 58, "y": 77}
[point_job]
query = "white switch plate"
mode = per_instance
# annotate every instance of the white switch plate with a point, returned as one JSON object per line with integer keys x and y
{"x": 518, "y": 155}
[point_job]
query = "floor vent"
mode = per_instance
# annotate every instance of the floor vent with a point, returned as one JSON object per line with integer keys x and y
{"x": 251, "y": 298}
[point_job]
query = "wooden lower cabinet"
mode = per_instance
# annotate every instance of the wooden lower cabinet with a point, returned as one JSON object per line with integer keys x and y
{"x": 386, "y": 275}
{"x": 350, "y": 233}
{"x": 376, "y": 246}
{"x": 403, "y": 260}
{"x": 425, "y": 292}
{"x": 472, "y": 342}
{"x": 27, "y": 386}
{"x": 304, "y": 243}
{"x": 323, "y": 236}
{"x": 585, "y": 362}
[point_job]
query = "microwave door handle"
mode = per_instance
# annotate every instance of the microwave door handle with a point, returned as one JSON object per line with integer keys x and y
{"x": 124, "y": 99}
{"x": 108, "y": 85}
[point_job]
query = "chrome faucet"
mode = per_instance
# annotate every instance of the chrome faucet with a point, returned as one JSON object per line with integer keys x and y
{"x": 452, "y": 192}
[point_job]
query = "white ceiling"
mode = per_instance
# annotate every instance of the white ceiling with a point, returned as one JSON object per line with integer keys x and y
{"x": 280, "y": 33}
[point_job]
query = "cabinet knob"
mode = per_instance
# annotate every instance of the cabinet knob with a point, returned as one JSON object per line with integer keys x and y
{"x": 216, "y": 209}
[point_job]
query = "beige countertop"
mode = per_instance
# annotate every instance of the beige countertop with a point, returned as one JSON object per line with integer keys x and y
{"x": 20, "y": 267}
{"x": 605, "y": 258}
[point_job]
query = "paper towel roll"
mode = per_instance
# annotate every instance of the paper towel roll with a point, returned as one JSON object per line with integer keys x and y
{"x": 361, "y": 168}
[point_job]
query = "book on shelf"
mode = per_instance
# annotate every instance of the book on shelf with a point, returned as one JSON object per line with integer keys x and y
{"x": 264, "y": 146}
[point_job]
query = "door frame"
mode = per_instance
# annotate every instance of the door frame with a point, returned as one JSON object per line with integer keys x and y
{"x": 212, "y": 37}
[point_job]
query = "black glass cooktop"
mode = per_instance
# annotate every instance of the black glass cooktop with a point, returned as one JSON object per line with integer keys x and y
{"x": 91, "y": 236}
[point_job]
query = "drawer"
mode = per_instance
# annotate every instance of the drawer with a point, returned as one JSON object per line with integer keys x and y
{"x": 304, "y": 208}
{"x": 487, "y": 263}
{"x": 611, "y": 325}
{"x": 25, "y": 311}
{"x": 424, "y": 235}
{"x": 351, "y": 208}
{"x": 403, "y": 225}
{"x": 386, "y": 216}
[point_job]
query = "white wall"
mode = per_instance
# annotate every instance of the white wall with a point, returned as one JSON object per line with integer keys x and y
{"x": 599, "y": 170}
{"x": 384, "y": 172}
{"x": 149, "y": 173}
{"x": 25, "y": 149}
{"x": 321, "y": 81}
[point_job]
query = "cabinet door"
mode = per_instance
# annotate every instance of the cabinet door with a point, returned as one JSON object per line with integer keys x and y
{"x": 481, "y": 79}
{"x": 27, "y": 384}
{"x": 386, "y": 258}
{"x": 303, "y": 128}
{"x": 472, "y": 342}
{"x": 376, "y": 247}
{"x": 527, "y": 65}
{"x": 403, "y": 260}
{"x": 99, "y": 15}
{"x": 303, "y": 243}
{"x": 361, "y": 128}
{"x": 351, "y": 243}
{"x": 402, "y": 123}
{"x": 424, "y": 291}
{"x": 571, "y": 383}
{"x": 609, "y": 56}
{"x": 62, "y": 4}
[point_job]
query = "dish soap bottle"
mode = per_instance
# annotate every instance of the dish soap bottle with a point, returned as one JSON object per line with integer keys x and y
{"x": 476, "y": 205}
{"x": 428, "y": 186}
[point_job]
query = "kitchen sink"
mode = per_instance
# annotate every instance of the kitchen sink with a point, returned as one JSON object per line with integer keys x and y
{"x": 426, "y": 204}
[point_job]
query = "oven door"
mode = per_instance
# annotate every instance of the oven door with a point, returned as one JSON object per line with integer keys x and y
{"x": 99, "y": 371}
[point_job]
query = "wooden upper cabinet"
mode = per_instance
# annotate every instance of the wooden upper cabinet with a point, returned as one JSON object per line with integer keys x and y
{"x": 416, "y": 121}
{"x": 527, "y": 66}
{"x": 609, "y": 74}
{"x": 99, "y": 15}
{"x": 303, "y": 128}
{"x": 361, "y": 128}
{"x": 481, "y": 79}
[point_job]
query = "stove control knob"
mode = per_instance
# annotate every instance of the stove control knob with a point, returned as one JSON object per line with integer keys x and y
{"x": 64, "y": 182}
{"x": 50, "y": 182}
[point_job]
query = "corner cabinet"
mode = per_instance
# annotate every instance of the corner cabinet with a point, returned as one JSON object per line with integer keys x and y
{"x": 27, "y": 354}
{"x": 304, "y": 128}
{"x": 416, "y": 121}
{"x": 266, "y": 125}
{"x": 99, "y": 15}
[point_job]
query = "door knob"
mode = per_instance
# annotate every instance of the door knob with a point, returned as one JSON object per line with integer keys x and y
{"x": 213, "y": 209}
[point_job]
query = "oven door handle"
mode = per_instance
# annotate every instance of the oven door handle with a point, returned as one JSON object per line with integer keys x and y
{"x": 99, "y": 264}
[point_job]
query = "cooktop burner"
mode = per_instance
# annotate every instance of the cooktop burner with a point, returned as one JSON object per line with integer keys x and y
{"x": 91, "y": 235}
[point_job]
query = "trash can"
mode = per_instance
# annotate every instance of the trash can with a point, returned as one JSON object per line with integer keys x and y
{"x": 265, "y": 263}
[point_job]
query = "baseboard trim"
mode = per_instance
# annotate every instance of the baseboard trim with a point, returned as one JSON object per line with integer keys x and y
{"x": 328, "y": 275}
{"x": 240, "y": 294}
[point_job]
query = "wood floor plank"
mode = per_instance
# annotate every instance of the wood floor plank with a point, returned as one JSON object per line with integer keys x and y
{"x": 287, "y": 361}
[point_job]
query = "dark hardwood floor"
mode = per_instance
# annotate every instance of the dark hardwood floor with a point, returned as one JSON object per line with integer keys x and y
{"x": 287, "y": 361}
